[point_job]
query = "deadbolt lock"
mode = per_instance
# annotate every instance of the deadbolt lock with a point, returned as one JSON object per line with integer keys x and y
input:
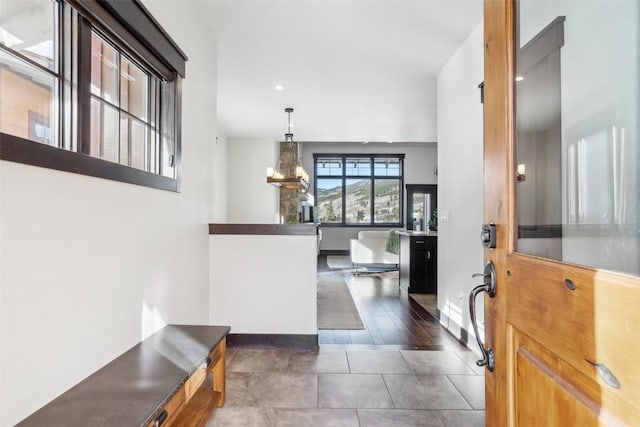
{"x": 488, "y": 235}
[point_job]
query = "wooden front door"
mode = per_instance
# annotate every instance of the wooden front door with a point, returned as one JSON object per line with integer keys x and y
{"x": 562, "y": 185}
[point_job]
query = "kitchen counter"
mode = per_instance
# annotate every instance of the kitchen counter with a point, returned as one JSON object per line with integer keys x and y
{"x": 417, "y": 233}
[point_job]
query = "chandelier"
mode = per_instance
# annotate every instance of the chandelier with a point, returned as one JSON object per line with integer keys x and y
{"x": 289, "y": 173}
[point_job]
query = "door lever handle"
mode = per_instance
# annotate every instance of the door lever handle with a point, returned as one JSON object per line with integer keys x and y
{"x": 488, "y": 286}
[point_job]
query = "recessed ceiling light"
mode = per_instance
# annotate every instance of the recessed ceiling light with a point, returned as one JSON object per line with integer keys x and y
{"x": 278, "y": 87}
{"x": 519, "y": 78}
{"x": 389, "y": 142}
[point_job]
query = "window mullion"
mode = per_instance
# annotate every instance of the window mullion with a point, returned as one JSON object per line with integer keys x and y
{"x": 147, "y": 137}
{"x": 372, "y": 189}
{"x": 344, "y": 190}
{"x": 84, "y": 86}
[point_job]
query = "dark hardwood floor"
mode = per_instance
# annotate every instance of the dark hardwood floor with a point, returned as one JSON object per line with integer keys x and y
{"x": 392, "y": 319}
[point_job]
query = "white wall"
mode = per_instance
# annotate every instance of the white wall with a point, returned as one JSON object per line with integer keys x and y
{"x": 264, "y": 284}
{"x": 460, "y": 181}
{"x": 218, "y": 202}
{"x": 91, "y": 266}
{"x": 250, "y": 198}
{"x": 419, "y": 163}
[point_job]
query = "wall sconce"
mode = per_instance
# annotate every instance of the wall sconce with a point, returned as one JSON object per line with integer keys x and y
{"x": 521, "y": 174}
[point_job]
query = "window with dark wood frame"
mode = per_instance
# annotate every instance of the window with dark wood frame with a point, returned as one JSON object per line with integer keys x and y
{"x": 104, "y": 91}
{"x": 360, "y": 190}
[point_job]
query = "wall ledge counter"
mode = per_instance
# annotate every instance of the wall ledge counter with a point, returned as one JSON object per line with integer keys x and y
{"x": 265, "y": 229}
{"x": 263, "y": 278}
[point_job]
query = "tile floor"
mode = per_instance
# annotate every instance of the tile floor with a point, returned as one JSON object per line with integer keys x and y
{"x": 272, "y": 387}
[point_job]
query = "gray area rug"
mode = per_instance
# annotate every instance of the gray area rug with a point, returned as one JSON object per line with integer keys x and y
{"x": 336, "y": 309}
{"x": 339, "y": 261}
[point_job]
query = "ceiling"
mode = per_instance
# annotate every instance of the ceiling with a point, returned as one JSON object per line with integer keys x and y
{"x": 354, "y": 70}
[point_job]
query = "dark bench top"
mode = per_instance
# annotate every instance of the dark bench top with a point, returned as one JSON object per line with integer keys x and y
{"x": 132, "y": 388}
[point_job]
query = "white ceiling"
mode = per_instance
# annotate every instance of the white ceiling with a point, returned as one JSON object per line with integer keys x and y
{"x": 354, "y": 70}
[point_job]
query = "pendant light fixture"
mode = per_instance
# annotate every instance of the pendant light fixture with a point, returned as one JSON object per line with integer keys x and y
{"x": 289, "y": 173}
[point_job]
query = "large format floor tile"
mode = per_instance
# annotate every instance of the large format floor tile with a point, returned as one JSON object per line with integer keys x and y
{"x": 322, "y": 362}
{"x": 471, "y": 387}
{"x": 277, "y": 390}
{"x": 253, "y": 360}
{"x": 352, "y": 391}
{"x": 398, "y": 418}
{"x": 424, "y": 392}
{"x": 377, "y": 362}
{"x": 243, "y": 417}
{"x": 463, "y": 418}
{"x": 436, "y": 362}
{"x": 470, "y": 359}
{"x": 317, "y": 417}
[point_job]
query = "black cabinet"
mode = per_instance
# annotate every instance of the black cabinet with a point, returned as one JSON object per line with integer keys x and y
{"x": 418, "y": 263}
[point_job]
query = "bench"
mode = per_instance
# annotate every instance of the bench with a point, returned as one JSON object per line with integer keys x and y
{"x": 175, "y": 377}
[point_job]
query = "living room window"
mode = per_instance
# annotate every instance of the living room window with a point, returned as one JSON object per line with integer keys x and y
{"x": 91, "y": 88}
{"x": 363, "y": 190}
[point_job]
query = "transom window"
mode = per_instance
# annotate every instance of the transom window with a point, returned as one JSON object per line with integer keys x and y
{"x": 73, "y": 78}
{"x": 359, "y": 189}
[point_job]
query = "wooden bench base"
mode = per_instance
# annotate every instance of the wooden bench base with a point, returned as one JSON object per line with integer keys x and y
{"x": 194, "y": 403}
{"x": 174, "y": 377}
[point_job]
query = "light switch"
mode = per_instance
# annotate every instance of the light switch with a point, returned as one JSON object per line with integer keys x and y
{"x": 443, "y": 215}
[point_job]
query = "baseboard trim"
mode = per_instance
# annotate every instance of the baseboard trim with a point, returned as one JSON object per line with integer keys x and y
{"x": 334, "y": 252}
{"x": 296, "y": 341}
{"x": 444, "y": 321}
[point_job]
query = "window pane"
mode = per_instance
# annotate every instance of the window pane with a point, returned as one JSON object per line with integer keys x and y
{"x": 28, "y": 27}
{"x": 104, "y": 131}
{"x": 138, "y": 144}
{"x": 27, "y": 101}
{"x": 329, "y": 200}
{"x": 329, "y": 166}
{"x": 154, "y": 104}
{"x": 387, "y": 167}
{"x": 104, "y": 70}
{"x": 387, "y": 201}
{"x": 133, "y": 89}
{"x": 153, "y": 151}
{"x": 133, "y": 146}
{"x": 418, "y": 207}
{"x": 358, "y": 201}
{"x": 125, "y": 131}
{"x": 167, "y": 121}
{"x": 358, "y": 166}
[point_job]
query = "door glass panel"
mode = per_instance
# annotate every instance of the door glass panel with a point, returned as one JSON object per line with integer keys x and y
{"x": 576, "y": 97}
